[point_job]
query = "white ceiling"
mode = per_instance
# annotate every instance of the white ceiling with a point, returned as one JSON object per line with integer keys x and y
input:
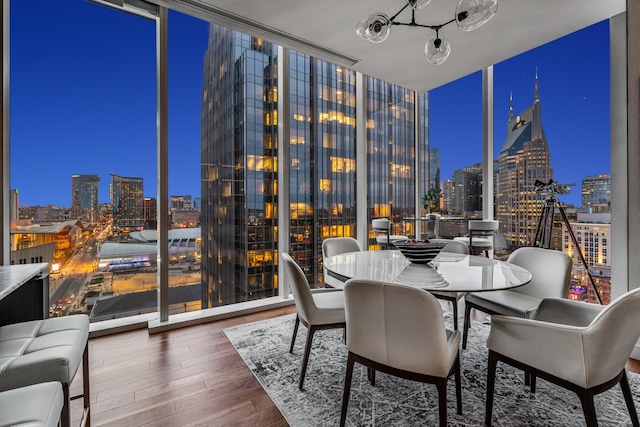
{"x": 518, "y": 26}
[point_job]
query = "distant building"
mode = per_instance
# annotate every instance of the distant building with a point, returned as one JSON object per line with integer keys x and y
{"x": 447, "y": 195}
{"x": 127, "y": 203}
{"x": 53, "y": 243}
{"x": 105, "y": 211}
{"x": 596, "y": 193}
{"x": 150, "y": 213}
{"x": 84, "y": 197}
{"x": 524, "y": 159}
{"x": 45, "y": 213}
{"x": 180, "y": 203}
{"x": 434, "y": 168}
{"x": 185, "y": 218}
{"x": 197, "y": 204}
{"x": 593, "y": 234}
{"x": 466, "y": 189}
{"x": 14, "y": 205}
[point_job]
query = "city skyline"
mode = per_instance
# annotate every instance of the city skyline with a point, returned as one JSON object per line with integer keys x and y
{"x": 574, "y": 93}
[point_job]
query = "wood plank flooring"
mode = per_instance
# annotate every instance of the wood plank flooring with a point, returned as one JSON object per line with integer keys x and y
{"x": 186, "y": 377}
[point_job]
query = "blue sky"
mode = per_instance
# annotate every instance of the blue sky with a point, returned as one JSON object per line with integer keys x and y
{"x": 83, "y": 96}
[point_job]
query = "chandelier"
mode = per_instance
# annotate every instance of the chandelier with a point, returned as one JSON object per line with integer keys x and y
{"x": 469, "y": 15}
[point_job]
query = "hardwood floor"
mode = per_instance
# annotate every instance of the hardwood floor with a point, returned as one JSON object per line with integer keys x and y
{"x": 186, "y": 377}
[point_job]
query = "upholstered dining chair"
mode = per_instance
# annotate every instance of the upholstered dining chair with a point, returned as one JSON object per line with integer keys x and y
{"x": 579, "y": 346}
{"x": 323, "y": 309}
{"x": 382, "y": 230}
{"x": 481, "y": 235}
{"x": 551, "y": 277}
{"x": 453, "y": 297}
{"x": 399, "y": 330}
{"x": 336, "y": 246}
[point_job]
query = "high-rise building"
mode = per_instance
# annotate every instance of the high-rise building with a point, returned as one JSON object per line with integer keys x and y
{"x": 466, "y": 187}
{"x": 524, "y": 159}
{"x": 197, "y": 204}
{"x": 150, "y": 213}
{"x": 127, "y": 203}
{"x": 434, "y": 168}
{"x": 84, "y": 197}
{"x": 596, "y": 193}
{"x": 239, "y": 157}
{"x": 239, "y": 149}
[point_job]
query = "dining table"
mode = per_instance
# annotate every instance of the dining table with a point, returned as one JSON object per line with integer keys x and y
{"x": 447, "y": 272}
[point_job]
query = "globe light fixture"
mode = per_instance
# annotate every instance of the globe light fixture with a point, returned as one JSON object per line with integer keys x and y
{"x": 469, "y": 15}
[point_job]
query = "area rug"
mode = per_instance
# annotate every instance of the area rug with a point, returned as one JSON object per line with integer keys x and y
{"x": 264, "y": 346}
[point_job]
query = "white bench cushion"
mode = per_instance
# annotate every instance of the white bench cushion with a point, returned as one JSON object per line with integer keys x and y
{"x": 37, "y": 405}
{"x": 42, "y": 350}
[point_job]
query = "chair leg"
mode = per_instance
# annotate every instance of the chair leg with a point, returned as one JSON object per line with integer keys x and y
{"x": 626, "y": 391}
{"x": 295, "y": 332}
{"x": 458, "y": 385}
{"x": 307, "y": 350}
{"x": 86, "y": 395}
{"x": 465, "y": 326}
{"x": 371, "y": 376}
{"x": 455, "y": 313}
{"x": 347, "y": 389}
{"x": 65, "y": 417}
{"x": 441, "y": 384}
{"x": 491, "y": 379}
{"x": 586, "y": 397}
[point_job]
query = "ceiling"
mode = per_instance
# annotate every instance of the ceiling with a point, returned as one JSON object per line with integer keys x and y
{"x": 326, "y": 29}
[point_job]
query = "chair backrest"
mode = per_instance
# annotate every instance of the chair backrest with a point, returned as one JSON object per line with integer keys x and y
{"x": 396, "y": 325}
{"x": 610, "y": 338}
{"x": 550, "y": 271}
{"x": 299, "y": 284}
{"x": 381, "y": 225}
{"x": 456, "y": 247}
{"x": 486, "y": 225}
{"x": 339, "y": 245}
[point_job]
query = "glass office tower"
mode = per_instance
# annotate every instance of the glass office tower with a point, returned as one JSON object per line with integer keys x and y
{"x": 239, "y": 175}
{"x": 84, "y": 197}
{"x": 127, "y": 202}
{"x": 239, "y": 149}
{"x": 391, "y": 154}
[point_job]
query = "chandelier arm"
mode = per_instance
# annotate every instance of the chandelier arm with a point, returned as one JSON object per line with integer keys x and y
{"x": 432, "y": 27}
{"x": 399, "y": 12}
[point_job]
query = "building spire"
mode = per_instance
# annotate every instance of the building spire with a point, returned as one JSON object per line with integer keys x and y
{"x": 510, "y": 106}
{"x": 536, "y": 94}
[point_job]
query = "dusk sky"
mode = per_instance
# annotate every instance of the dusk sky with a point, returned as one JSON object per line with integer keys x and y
{"x": 83, "y": 101}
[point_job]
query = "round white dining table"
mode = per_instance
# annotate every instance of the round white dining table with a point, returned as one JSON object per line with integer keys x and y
{"x": 448, "y": 272}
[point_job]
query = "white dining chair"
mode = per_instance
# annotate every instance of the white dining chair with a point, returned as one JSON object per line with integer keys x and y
{"x": 323, "y": 309}
{"x": 579, "y": 346}
{"x": 336, "y": 246}
{"x": 382, "y": 231}
{"x": 551, "y": 278}
{"x": 481, "y": 235}
{"x": 399, "y": 330}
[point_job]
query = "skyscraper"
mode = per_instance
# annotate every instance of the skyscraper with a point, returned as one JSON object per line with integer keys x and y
{"x": 467, "y": 189}
{"x": 127, "y": 202}
{"x": 524, "y": 158}
{"x": 239, "y": 156}
{"x": 84, "y": 197}
{"x": 434, "y": 168}
{"x": 596, "y": 193}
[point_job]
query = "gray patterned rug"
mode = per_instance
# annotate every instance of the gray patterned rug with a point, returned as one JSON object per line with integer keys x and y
{"x": 264, "y": 346}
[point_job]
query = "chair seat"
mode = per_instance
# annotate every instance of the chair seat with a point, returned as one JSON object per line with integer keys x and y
{"x": 330, "y": 305}
{"x": 478, "y": 242}
{"x": 42, "y": 350}
{"x": 505, "y": 302}
{"x": 37, "y": 405}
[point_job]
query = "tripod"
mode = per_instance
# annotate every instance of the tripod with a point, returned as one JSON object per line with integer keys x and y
{"x": 544, "y": 235}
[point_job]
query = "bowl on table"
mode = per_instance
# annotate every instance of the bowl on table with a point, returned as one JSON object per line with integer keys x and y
{"x": 418, "y": 251}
